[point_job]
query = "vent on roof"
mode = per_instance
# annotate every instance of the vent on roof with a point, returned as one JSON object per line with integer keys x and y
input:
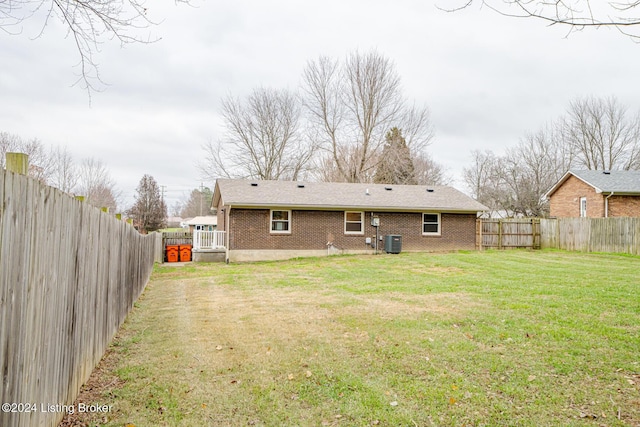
{"x": 606, "y": 172}
{"x": 300, "y": 185}
{"x": 388, "y": 188}
{"x": 367, "y": 192}
{"x": 429, "y": 190}
{"x": 254, "y": 184}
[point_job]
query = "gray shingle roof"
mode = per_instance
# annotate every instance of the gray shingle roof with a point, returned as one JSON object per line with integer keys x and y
{"x": 326, "y": 195}
{"x": 617, "y": 182}
{"x": 613, "y": 181}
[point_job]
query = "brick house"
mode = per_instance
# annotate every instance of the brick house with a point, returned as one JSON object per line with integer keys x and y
{"x": 284, "y": 219}
{"x": 596, "y": 194}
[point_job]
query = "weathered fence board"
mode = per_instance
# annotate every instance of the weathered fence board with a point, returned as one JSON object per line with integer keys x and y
{"x": 69, "y": 274}
{"x": 621, "y": 235}
{"x": 509, "y": 233}
{"x": 177, "y": 238}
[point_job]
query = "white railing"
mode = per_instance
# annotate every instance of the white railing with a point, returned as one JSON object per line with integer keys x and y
{"x": 208, "y": 240}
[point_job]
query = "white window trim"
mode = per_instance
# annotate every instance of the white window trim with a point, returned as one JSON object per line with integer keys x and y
{"x": 271, "y": 220}
{"x": 583, "y": 207}
{"x": 359, "y": 233}
{"x": 422, "y": 223}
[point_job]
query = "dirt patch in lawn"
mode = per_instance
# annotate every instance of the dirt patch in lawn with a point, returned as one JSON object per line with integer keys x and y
{"x": 101, "y": 381}
{"x": 197, "y": 334}
{"x": 395, "y": 304}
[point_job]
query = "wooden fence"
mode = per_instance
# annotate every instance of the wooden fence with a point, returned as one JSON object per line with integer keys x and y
{"x": 177, "y": 238}
{"x": 621, "y": 235}
{"x": 69, "y": 274}
{"x": 509, "y": 233}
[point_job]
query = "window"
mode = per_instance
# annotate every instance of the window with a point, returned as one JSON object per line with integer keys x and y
{"x": 353, "y": 222}
{"x": 431, "y": 224}
{"x": 205, "y": 228}
{"x": 583, "y": 207}
{"x": 281, "y": 222}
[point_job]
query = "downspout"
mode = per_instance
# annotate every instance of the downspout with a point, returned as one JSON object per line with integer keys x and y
{"x": 228, "y": 233}
{"x": 606, "y": 205}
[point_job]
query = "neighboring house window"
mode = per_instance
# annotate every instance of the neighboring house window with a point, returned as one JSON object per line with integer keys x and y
{"x": 281, "y": 221}
{"x": 431, "y": 224}
{"x": 583, "y": 207}
{"x": 353, "y": 222}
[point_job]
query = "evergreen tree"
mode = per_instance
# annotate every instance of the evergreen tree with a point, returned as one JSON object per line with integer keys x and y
{"x": 395, "y": 165}
{"x": 199, "y": 203}
{"x": 149, "y": 212}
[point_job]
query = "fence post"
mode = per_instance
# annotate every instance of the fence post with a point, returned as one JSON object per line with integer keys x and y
{"x": 18, "y": 163}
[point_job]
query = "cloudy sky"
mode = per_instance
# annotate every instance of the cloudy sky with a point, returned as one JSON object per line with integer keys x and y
{"x": 487, "y": 79}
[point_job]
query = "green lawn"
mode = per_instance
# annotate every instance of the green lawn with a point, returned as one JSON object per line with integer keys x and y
{"x": 514, "y": 338}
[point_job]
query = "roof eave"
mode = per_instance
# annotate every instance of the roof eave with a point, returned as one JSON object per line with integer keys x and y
{"x": 562, "y": 181}
{"x": 620, "y": 193}
{"x": 356, "y": 207}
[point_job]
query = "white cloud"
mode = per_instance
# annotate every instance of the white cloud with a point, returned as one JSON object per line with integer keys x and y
{"x": 487, "y": 79}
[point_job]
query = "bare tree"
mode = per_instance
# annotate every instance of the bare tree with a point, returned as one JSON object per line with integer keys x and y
{"x": 516, "y": 182}
{"x": 574, "y": 14}
{"x": 594, "y": 134}
{"x": 429, "y": 172}
{"x": 602, "y": 134}
{"x": 96, "y": 185}
{"x": 89, "y": 23}
{"x": 532, "y": 167}
{"x": 483, "y": 178}
{"x": 40, "y": 164}
{"x": 199, "y": 203}
{"x": 64, "y": 175}
{"x": 262, "y": 140}
{"x": 352, "y": 105}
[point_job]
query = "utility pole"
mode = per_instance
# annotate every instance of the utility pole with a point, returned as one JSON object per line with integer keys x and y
{"x": 201, "y": 194}
{"x": 162, "y": 189}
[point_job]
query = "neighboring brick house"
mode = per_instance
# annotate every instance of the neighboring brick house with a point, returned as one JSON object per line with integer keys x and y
{"x": 596, "y": 194}
{"x": 284, "y": 219}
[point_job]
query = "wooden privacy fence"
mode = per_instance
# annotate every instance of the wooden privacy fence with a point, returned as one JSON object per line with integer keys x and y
{"x": 69, "y": 274}
{"x": 620, "y": 235}
{"x": 508, "y": 233}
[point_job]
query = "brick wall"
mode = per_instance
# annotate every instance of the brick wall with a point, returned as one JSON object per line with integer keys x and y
{"x": 565, "y": 202}
{"x": 624, "y": 206}
{"x": 250, "y": 229}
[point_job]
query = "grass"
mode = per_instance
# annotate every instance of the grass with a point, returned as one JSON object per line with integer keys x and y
{"x": 513, "y": 338}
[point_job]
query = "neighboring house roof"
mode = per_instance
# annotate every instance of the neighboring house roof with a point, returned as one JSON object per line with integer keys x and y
{"x": 606, "y": 182}
{"x": 203, "y": 220}
{"x": 333, "y": 195}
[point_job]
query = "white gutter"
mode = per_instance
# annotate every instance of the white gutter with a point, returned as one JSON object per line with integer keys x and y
{"x": 606, "y": 205}
{"x": 228, "y": 232}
